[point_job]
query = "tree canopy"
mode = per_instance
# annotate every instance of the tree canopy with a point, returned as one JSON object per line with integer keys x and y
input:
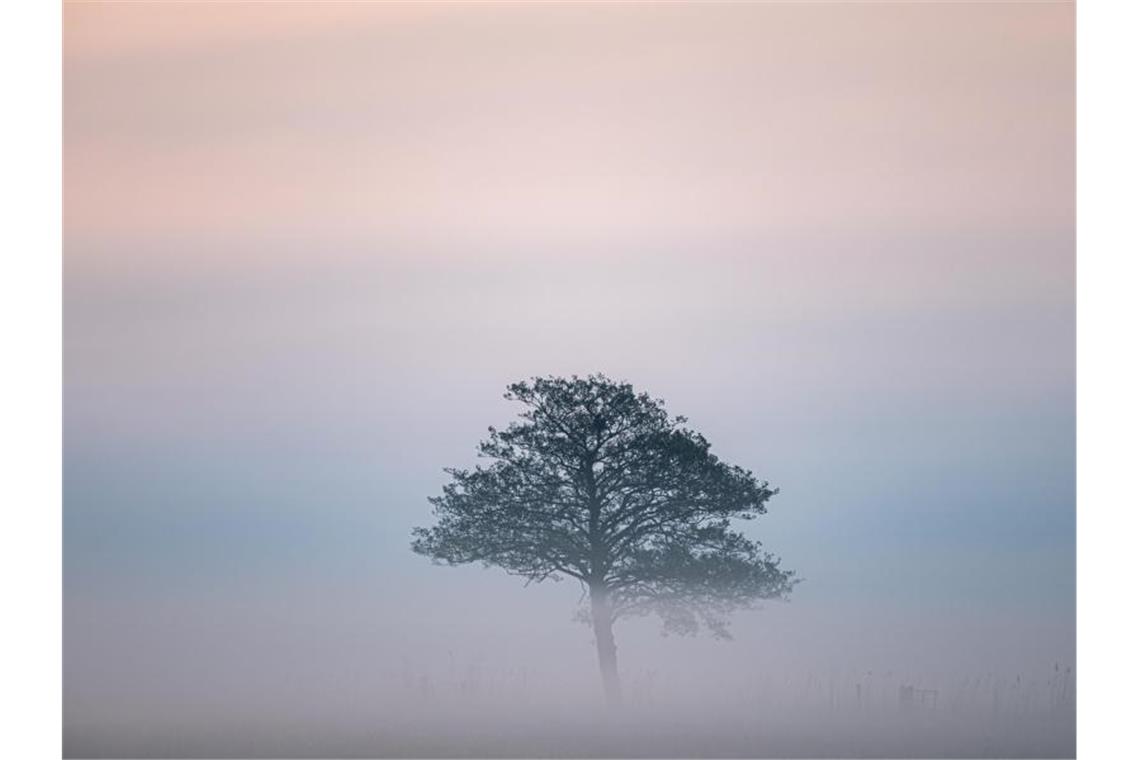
{"x": 596, "y": 482}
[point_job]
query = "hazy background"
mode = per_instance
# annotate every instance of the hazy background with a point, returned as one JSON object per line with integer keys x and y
{"x": 307, "y": 246}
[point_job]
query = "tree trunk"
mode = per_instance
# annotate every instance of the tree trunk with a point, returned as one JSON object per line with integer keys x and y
{"x": 602, "y": 616}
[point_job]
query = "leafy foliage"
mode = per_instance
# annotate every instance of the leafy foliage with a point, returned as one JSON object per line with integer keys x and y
{"x": 597, "y": 482}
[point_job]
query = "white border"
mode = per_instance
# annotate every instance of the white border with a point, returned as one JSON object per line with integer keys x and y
{"x": 1108, "y": 376}
{"x": 30, "y": 410}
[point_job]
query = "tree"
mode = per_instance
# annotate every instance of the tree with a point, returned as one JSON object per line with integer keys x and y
{"x": 597, "y": 482}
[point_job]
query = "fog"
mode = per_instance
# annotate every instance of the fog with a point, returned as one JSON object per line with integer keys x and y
{"x": 307, "y": 250}
{"x": 486, "y": 669}
{"x": 252, "y": 593}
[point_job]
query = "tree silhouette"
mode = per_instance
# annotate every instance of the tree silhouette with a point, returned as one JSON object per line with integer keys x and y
{"x": 597, "y": 482}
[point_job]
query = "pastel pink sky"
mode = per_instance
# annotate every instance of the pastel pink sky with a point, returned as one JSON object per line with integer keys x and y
{"x": 228, "y": 121}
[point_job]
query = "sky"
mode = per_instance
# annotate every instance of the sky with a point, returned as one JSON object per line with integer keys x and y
{"x": 308, "y": 245}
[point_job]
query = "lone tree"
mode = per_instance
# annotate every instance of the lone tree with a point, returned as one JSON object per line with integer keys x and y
{"x": 598, "y": 483}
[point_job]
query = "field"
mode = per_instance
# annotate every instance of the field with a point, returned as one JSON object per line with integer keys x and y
{"x": 477, "y": 711}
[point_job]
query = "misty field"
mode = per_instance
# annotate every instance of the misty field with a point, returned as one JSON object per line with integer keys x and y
{"x": 477, "y": 709}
